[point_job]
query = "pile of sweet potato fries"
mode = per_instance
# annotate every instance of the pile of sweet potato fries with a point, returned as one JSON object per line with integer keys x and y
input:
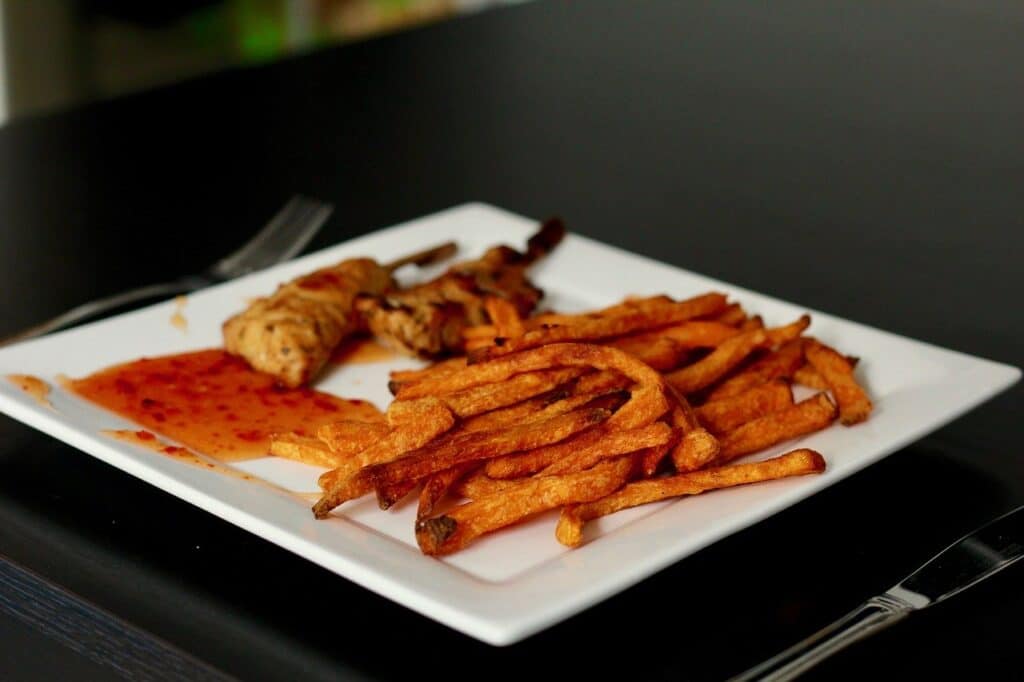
{"x": 591, "y": 413}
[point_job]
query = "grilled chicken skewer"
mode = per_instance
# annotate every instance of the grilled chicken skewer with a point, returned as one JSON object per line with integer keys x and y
{"x": 427, "y": 320}
{"x": 291, "y": 333}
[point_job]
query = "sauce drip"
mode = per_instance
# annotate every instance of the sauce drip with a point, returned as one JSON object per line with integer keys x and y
{"x": 178, "y": 318}
{"x": 214, "y": 402}
{"x": 34, "y": 386}
{"x": 148, "y": 440}
{"x": 360, "y": 351}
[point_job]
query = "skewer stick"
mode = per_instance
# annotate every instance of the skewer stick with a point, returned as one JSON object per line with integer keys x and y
{"x": 426, "y": 257}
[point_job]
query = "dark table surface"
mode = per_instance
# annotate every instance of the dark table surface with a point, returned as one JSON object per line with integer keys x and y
{"x": 864, "y": 158}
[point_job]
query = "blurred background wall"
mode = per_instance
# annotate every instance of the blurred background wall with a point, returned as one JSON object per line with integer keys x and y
{"x": 57, "y": 53}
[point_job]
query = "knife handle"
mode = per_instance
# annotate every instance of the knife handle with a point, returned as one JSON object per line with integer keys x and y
{"x": 870, "y": 617}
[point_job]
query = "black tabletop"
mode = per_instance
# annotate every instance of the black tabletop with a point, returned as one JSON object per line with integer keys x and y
{"x": 864, "y": 158}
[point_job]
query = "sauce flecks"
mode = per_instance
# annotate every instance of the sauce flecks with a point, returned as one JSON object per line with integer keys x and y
{"x": 361, "y": 350}
{"x": 33, "y": 386}
{"x": 178, "y": 318}
{"x": 214, "y": 402}
{"x": 150, "y": 441}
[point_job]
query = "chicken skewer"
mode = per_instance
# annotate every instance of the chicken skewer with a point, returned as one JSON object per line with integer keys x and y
{"x": 291, "y": 333}
{"x": 427, "y": 320}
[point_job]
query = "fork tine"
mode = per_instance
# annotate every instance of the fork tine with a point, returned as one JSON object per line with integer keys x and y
{"x": 283, "y": 236}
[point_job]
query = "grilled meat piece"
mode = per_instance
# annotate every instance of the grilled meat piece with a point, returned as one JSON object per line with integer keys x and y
{"x": 292, "y": 333}
{"x": 427, "y": 320}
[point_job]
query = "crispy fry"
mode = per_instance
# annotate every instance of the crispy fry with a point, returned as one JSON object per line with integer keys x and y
{"x": 592, "y": 329}
{"x": 751, "y": 323}
{"x": 411, "y": 376}
{"x": 466, "y": 447}
{"x": 651, "y": 458}
{"x": 732, "y": 315}
{"x": 805, "y": 375}
{"x": 478, "y": 484}
{"x": 437, "y": 486}
{"x": 691, "y": 334}
{"x": 487, "y": 397}
{"x": 780, "y": 335}
{"x": 710, "y": 369}
{"x": 304, "y": 449}
{"x": 796, "y": 463}
{"x": 720, "y": 416}
{"x": 348, "y": 437}
{"x": 611, "y": 443}
{"x": 463, "y": 524}
{"x": 696, "y": 448}
{"x": 854, "y": 404}
{"x": 660, "y": 354}
{"x": 604, "y": 381}
{"x": 433, "y": 420}
{"x": 806, "y": 416}
{"x": 779, "y": 364}
{"x": 647, "y": 402}
{"x": 504, "y": 316}
{"x": 520, "y": 413}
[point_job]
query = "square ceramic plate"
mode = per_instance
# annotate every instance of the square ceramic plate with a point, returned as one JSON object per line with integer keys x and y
{"x": 518, "y": 581}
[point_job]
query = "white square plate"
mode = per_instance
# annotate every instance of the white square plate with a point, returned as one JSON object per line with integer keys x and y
{"x": 518, "y": 581}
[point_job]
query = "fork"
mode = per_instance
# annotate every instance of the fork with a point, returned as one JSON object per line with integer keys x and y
{"x": 280, "y": 239}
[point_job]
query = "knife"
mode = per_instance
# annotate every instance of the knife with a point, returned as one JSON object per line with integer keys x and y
{"x": 974, "y": 557}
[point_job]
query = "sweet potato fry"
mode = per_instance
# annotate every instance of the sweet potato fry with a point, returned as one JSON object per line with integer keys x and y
{"x": 504, "y": 316}
{"x": 592, "y": 329}
{"x": 796, "y": 463}
{"x": 519, "y": 464}
{"x": 647, "y": 402}
{"x": 805, "y": 375}
{"x": 604, "y": 381}
{"x": 806, "y": 416}
{"x": 751, "y": 323}
{"x": 651, "y": 458}
{"x": 732, "y": 315}
{"x": 479, "y": 399}
{"x": 347, "y": 437}
{"x": 779, "y": 364}
{"x": 720, "y": 416}
{"x": 780, "y": 335}
{"x": 411, "y": 376}
{"x": 661, "y": 354}
{"x": 478, "y": 484}
{"x": 437, "y": 486}
{"x": 710, "y": 369}
{"x": 467, "y": 447}
{"x": 612, "y": 443}
{"x": 463, "y": 524}
{"x": 433, "y": 420}
{"x": 691, "y": 334}
{"x": 304, "y": 449}
{"x": 696, "y": 448}
{"x": 854, "y": 404}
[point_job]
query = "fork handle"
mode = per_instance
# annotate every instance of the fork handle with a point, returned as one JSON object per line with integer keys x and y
{"x": 101, "y": 305}
{"x": 870, "y": 617}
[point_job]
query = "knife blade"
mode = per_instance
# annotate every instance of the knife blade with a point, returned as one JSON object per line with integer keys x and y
{"x": 974, "y": 557}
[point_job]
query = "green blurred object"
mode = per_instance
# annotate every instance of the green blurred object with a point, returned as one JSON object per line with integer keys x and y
{"x": 261, "y": 28}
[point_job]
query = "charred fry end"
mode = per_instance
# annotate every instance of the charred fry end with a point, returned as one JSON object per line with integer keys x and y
{"x": 431, "y": 533}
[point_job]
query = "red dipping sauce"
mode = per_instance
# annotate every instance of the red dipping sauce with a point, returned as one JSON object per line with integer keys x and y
{"x": 214, "y": 402}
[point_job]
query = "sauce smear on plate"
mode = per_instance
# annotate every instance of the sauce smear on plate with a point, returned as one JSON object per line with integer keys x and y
{"x": 148, "y": 440}
{"x": 361, "y": 351}
{"x": 214, "y": 402}
{"x": 33, "y": 386}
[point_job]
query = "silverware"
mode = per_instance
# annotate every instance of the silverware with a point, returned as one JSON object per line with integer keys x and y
{"x": 280, "y": 239}
{"x": 966, "y": 562}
